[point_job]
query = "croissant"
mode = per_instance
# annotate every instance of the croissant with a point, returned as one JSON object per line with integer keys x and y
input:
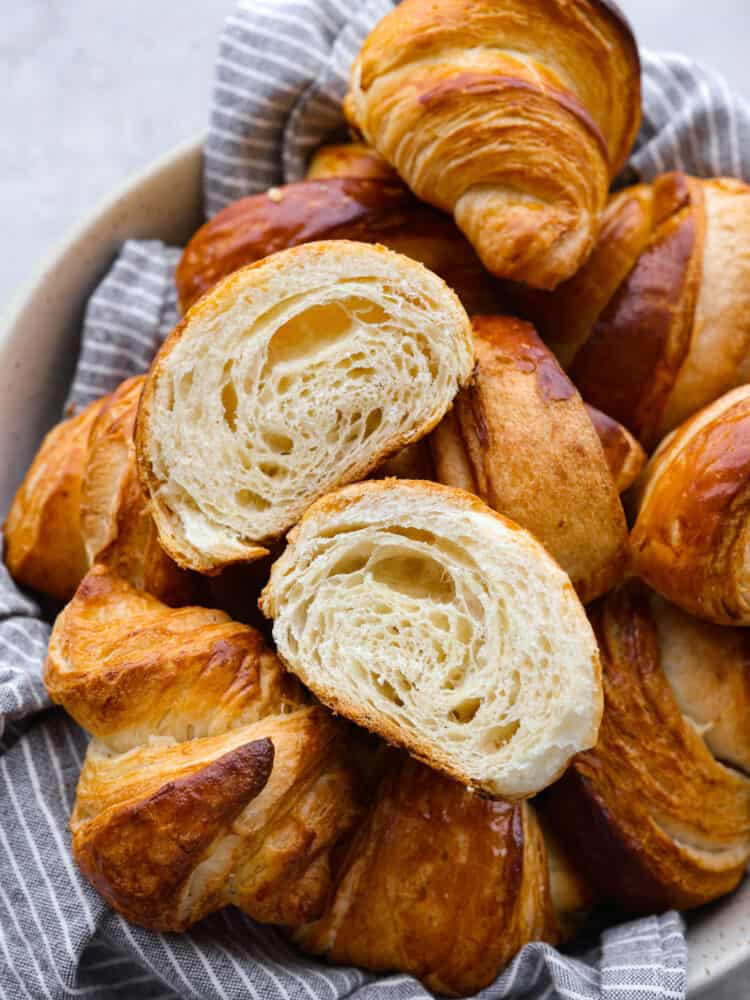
{"x": 653, "y": 817}
{"x": 418, "y": 612}
{"x": 294, "y": 375}
{"x": 208, "y": 780}
{"x": 625, "y": 456}
{"x": 443, "y": 884}
{"x": 689, "y": 540}
{"x": 44, "y": 548}
{"x": 520, "y": 438}
{"x": 513, "y": 115}
{"x": 116, "y": 524}
{"x": 366, "y": 209}
{"x": 349, "y": 159}
{"x": 657, "y": 323}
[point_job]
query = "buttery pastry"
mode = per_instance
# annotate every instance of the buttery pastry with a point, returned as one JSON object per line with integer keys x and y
{"x": 418, "y": 612}
{"x": 349, "y": 159}
{"x": 116, "y": 524}
{"x": 520, "y": 438}
{"x": 657, "y": 322}
{"x": 44, "y": 547}
{"x": 625, "y": 456}
{"x": 369, "y": 210}
{"x": 690, "y": 539}
{"x": 443, "y": 884}
{"x": 514, "y": 115}
{"x": 653, "y": 816}
{"x": 208, "y": 779}
{"x": 294, "y": 375}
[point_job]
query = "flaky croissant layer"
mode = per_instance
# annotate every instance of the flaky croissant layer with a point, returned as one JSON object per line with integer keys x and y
{"x": 513, "y": 115}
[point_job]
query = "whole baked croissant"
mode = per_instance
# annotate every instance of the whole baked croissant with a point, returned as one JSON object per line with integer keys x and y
{"x": 366, "y": 209}
{"x": 209, "y": 779}
{"x": 520, "y": 437}
{"x": 657, "y": 814}
{"x": 514, "y": 115}
{"x": 44, "y": 548}
{"x": 444, "y": 884}
{"x": 81, "y": 502}
{"x": 656, "y": 324}
{"x": 690, "y": 538}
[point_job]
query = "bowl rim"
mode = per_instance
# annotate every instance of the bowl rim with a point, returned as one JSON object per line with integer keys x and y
{"x": 718, "y": 936}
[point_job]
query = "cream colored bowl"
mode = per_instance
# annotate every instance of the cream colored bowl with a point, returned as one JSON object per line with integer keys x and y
{"x": 39, "y": 341}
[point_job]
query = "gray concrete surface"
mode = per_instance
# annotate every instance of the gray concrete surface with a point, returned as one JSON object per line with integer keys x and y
{"x": 92, "y": 90}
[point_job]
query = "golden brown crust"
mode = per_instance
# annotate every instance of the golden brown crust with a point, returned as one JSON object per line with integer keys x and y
{"x": 44, "y": 548}
{"x": 438, "y": 86}
{"x": 625, "y": 457}
{"x": 349, "y": 159}
{"x": 178, "y": 810}
{"x": 654, "y": 820}
{"x": 366, "y": 209}
{"x": 656, "y": 324}
{"x": 438, "y": 882}
{"x": 689, "y": 541}
{"x": 116, "y": 523}
{"x": 520, "y": 438}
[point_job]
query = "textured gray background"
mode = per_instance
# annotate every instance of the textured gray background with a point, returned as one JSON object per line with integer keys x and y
{"x": 92, "y": 90}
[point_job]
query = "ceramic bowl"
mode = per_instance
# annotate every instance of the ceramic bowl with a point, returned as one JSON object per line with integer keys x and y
{"x": 39, "y": 341}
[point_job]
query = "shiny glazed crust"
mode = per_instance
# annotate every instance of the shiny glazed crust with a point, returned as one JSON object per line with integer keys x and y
{"x": 348, "y": 159}
{"x": 690, "y": 539}
{"x": 418, "y": 612}
{"x": 437, "y": 882}
{"x": 208, "y": 780}
{"x": 365, "y": 209}
{"x": 656, "y": 324}
{"x": 519, "y": 437}
{"x": 655, "y": 821}
{"x": 438, "y": 87}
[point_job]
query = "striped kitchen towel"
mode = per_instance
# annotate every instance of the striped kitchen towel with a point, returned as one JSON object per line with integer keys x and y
{"x": 280, "y": 76}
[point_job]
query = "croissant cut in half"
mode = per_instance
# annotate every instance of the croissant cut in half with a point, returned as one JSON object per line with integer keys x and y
{"x": 209, "y": 780}
{"x": 691, "y": 538}
{"x": 44, "y": 548}
{"x": 444, "y": 884}
{"x": 519, "y": 436}
{"x": 513, "y": 115}
{"x": 361, "y": 208}
{"x": 656, "y": 324}
{"x": 294, "y": 375}
{"x": 653, "y": 813}
{"x": 418, "y": 612}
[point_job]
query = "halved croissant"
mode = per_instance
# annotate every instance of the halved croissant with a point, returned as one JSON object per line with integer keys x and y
{"x": 116, "y": 523}
{"x": 657, "y": 322}
{"x": 348, "y": 159}
{"x": 208, "y": 780}
{"x": 514, "y": 115}
{"x": 652, "y": 817}
{"x": 520, "y": 438}
{"x": 690, "y": 538}
{"x": 368, "y": 210}
{"x": 443, "y": 884}
{"x": 417, "y": 611}
{"x": 294, "y": 375}
{"x": 44, "y": 547}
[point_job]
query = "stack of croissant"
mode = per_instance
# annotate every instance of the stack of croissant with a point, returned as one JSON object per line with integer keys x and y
{"x": 475, "y": 437}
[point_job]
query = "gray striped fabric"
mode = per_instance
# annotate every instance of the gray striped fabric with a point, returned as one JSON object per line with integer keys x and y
{"x": 280, "y": 76}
